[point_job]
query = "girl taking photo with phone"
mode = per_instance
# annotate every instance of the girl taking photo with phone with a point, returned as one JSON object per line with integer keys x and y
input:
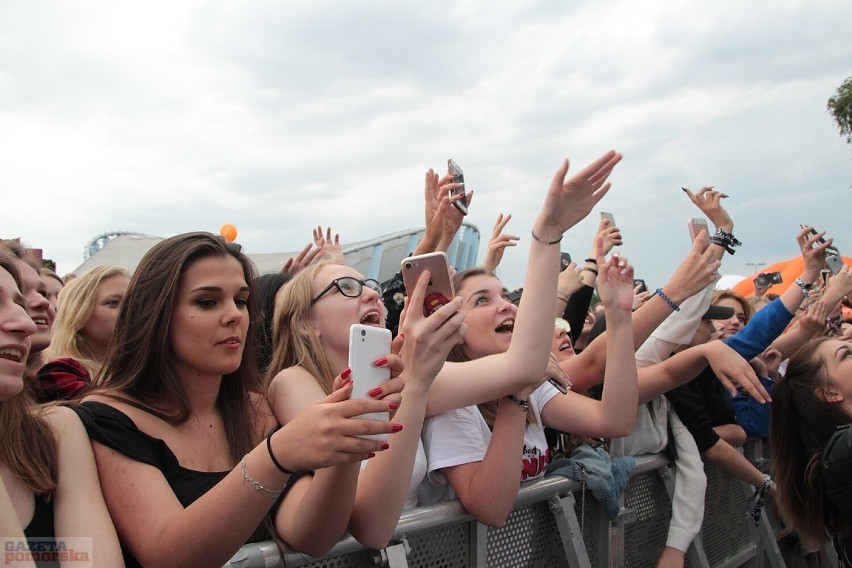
{"x": 187, "y": 449}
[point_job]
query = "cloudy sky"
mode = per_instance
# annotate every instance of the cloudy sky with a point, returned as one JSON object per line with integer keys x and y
{"x": 167, "y": 116}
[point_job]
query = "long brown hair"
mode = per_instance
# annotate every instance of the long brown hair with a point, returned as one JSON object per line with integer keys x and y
{"x": 138, "y": 368}
{"x": 459, "y": 354}
{"x": 802, "y": 424}
{"x": 294, "y": 345}
{"x": 29, "y": 447}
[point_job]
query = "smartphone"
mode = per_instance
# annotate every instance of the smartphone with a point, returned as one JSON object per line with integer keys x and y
{"x": 458, "y": 177}
{"x": 366, "y": 344}
{"x": 829, "y": 251}
{"x": 557, "y": 386}
{"x": 834, "y": 262}
{"x": 696, "y": 225}
{"x": 564, "y": 261}
{"x": 440, "y": 289}
{"x": 641, "y": 284}
{"x": 765, "y": 280}
{"x": 825, "y": 274}
{"x": 609, "y": 216}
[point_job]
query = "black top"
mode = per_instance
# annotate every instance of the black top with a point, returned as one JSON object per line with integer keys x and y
{"x": 116, "y": 430}
{"x": 40, "y": 533}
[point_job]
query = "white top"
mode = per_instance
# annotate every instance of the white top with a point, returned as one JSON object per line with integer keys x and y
{"x": 461, "y": 436}
{"x": 417, "y": 475}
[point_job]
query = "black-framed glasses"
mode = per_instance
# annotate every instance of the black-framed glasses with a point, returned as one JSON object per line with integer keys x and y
{"x": 350, "y": 287}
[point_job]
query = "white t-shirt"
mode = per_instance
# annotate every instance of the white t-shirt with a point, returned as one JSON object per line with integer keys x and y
{"x": 461, "y": 436}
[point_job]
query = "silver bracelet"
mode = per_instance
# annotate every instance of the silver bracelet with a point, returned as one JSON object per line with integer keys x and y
{"x": 271, "y": 493}
{"x": 806, "y": 288}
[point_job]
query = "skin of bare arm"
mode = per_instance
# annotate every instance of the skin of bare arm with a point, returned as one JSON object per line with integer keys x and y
{"x": 383, "y": 484}
{"x": 615, "y": 414}
{"x": 709, "y": 202}
{"x": 488, "y": 488}
{"x": 159, "y": 531}
{"x": 10, "y": 526}
{"x": 78, "y": 497}
{"x": 696, "y": 272}
{"x": 486, "y": 378}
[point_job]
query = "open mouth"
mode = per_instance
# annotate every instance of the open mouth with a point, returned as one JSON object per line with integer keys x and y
{"x": 371, "y": 318}
{"x": 565, "y": 346}
{"x": 40, "y": 321}
{"x": 14, "y": 354}
{"x": 507, "y": 326}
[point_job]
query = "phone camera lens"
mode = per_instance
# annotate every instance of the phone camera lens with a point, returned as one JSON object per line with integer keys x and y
{"x": 363, "y": 332}
{"x": 408, "y": 265}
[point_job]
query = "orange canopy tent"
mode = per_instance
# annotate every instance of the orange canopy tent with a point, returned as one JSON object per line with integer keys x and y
{"x": 789, "y": 269}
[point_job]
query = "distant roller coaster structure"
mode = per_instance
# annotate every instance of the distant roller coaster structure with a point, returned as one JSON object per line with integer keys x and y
{"x": 98, "y": 242}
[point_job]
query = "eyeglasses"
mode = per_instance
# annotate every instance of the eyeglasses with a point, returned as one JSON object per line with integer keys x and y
{"x": 349, "y": 287}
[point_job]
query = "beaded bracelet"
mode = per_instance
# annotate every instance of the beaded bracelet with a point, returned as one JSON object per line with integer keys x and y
{"x": 659, "y": 292}
{"x": 280, "y": 467}
{"x": 271, "y": 493}
{"x": 759, "y": 500}
{"x": 539, "y": 239}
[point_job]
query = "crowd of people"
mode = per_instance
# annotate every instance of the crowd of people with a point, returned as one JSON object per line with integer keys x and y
{"x": 178, "y": 412}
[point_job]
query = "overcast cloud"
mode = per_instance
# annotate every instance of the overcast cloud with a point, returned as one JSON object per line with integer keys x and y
{"x": 167, "y": 116}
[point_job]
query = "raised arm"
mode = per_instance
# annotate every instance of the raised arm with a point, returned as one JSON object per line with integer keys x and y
{"x": 568, "y": 201}
{"x": 498, "y": 243}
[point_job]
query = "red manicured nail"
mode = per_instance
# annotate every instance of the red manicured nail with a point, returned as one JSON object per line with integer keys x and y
{"x": 380, "y": 362}
{"x": 392, "y": 405}
{"x": 345, "y": 374}
{"x": 371, "y": 455}
{"x": 375, "y": 392}
{"x": 385, "y": 445}
{"x": 397, "y": 427}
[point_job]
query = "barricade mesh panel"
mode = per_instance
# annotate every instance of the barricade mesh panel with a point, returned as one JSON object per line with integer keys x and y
{"x": 726, "y": 525}
{"x": 447, "y": 547}
{"x": 353, "y": 560}
{"x": 646, "y": 538}
{"x": 529, "y": 538}
{"x": 595, "y": 528}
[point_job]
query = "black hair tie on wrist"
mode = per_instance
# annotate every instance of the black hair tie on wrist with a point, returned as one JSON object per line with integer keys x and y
{"x": 280, "y": 467}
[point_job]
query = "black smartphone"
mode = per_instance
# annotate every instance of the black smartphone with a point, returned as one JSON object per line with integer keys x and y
{"x": 564, "y": 261}
{"x": 765, "y": 280}
{"x": 458, "y": 177}
{"x": 641, "y": 285}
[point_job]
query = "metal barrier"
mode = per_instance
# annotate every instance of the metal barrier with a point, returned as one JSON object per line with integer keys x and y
{"x": 544, "y": 530}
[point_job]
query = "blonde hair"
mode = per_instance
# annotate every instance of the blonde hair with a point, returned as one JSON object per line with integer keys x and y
{"x": 75, "y": 309}
{"x": 293, "y": 342}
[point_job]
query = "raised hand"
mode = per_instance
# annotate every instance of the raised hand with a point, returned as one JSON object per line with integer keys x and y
{"x": 733, "y": 371}
{"x": 428, "y": 340}
{"x": 294, "y": 265}
{"x": 568, "y": 201}
{"x": 696, "y": 272}
{"x": 498, "y": 243}
{"x": 709, "y": 201}
{"x": 611, "y": 235}
{"x": 813, "y": 251}
{"x": 329, "y": 249}
{"x": 570, "y": 280}
{"x": 615, "y": 280}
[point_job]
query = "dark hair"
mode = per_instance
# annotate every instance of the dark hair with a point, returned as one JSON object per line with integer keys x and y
{"x": 267, "y": 286}
{"x": 139, "y": 361}
{"x": 28, "y": 448}
{"x": 802, "y": 424}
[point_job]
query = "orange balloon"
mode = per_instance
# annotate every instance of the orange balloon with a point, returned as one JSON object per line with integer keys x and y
{"x": 228, "y": 232}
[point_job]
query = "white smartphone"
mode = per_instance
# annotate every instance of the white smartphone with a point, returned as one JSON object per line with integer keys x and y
{"x": 610, "y": 216}
{"x": 440, "y": 289}
{"x": 366, "y": 344}
{"x": 696, "y": 225}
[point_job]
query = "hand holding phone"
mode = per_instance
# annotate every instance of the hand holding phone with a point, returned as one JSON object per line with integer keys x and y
{"x": 458, "y": 177}
{"x": 696, "y": 225}
{"x": 366, "y": 344}
{"x": 440, "y": 289}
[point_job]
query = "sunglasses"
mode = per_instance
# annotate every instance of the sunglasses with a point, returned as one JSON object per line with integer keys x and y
{"x": 350, "y": 287}
{"x": 561, "y": 323}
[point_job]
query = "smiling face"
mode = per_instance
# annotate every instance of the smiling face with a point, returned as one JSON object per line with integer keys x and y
{"x": 16, "y": 327}
{"x": 38, "y": 306}
{"x": 490, "y": 317}
{"x": 333, "y": 314}
{"x": 210, "y": 318}
{"x": 100, "y": 325}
